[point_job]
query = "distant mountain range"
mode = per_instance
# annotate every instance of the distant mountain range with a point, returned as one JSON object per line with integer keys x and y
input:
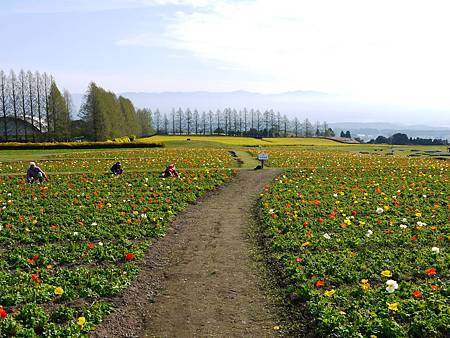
{"x": 306, "y": 104}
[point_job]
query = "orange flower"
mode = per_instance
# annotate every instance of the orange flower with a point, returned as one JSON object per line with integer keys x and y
{"x": 431, "y": 271}
{"x": 316, "y": 202}
{"x": 417, "y": 294}
{"x": 320, "y": 283}
{"x": 434, "y": 287}
{"x": 90, "y": 246}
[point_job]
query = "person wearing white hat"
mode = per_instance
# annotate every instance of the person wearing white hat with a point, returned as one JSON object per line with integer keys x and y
{"x": 34, "y": 173}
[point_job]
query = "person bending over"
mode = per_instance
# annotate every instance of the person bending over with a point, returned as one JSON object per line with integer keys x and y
{"x": 116, "y": 169}
{"x": 34, "y": 173}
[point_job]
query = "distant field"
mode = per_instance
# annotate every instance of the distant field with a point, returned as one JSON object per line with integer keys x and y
{"x": 241, "y": 141}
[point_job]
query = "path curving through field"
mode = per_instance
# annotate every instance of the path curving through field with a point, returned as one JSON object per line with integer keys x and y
{"x": 200, "y": 280}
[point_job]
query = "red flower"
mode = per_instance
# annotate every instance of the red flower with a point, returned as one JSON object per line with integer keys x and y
{"x": 129, "y": 257}
{"x": 417, "y": 294}
{"x": 299, "y": 260}
{"x": 320, "y": 220}
{"x": 3, "y": 313}
{"x": 35, "y": 257}
{"x": 308, "y": 234}
{"x": 413, "y": 238}
{"x": 320, "y": 283}
{"x": 316, "y": 202}
{"x": 431, "y": 271}
{"x": 90, "y": 246}
{"x": 353, "y": 213}
{"x": 305, "y": 224}
{"x": 35, "y": 278}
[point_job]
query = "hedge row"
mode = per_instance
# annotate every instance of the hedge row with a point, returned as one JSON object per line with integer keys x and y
{"x": 77, "y": 145}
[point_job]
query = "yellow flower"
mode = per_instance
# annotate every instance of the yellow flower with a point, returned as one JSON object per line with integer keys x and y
{"x": 386, "y": 208}
{"x": 364, "y": 281}
{"x": 306, "y": 244}
{"x": 393, "y": 306}
{"x": 386, "y": 273}
{"x": 59, "y": 291}
{"x": 418, "y": 214}
{"x": 81, "y": 321}
{"x": 34, "y": 221}
{"x": 330, "y": 293}
{"x": 365, "y": 284}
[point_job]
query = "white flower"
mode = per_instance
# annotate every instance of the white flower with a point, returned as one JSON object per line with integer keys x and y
{"x": 404, "y": 219}
{"x": 144, "y": 216}
{"x": 94, "y": 223}
{"x": 327, "y": 236}
{"x": 424, "y": 196}
{"x": 403, "y": 226}
{"x": 1, "y": 227}
{"x": 421, "y": 224}
{"x": 100, "y": 243}
{"x": 380, "y": 211}
{"x": 391, "y": 285}
{"x": 369, "y": 233}
{"x": 335, "y": 195}
{"x": 271, "y": 211}
{"x": 75, "y": 233}
{"x": 435, "y": 250}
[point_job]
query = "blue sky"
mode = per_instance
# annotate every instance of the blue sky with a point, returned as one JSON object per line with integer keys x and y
{"x": 392, "y": 52}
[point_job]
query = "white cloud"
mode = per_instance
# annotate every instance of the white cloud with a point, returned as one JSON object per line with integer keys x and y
{"x": 387, "y": 50}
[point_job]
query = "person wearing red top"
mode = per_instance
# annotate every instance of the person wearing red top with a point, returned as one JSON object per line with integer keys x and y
{"x": 171, "y": 171}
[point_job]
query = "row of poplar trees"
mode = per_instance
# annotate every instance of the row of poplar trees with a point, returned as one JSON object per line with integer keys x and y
{"x": 107, "y": 116}
{"x": 32, "y": 108}
{"x": 232, "y": 122}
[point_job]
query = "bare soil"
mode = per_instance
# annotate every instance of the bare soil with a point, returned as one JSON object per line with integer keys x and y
{"x": 200, "y": 280}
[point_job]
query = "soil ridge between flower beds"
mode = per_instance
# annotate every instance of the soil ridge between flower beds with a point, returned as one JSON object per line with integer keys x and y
{"x": 200, "y": 280}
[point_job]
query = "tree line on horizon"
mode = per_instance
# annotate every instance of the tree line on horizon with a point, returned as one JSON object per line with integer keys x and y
{"x": 403, "y": 139}
{"x": 233, "y": 122}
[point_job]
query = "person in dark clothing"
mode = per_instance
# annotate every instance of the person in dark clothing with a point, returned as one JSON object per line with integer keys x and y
{"x": 171, "y": 171}
{"x": 34, "y": 173}
{"x": 116, "y": 169}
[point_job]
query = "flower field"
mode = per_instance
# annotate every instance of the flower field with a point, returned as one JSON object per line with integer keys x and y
{"x": 134, "y": 160}
{"x": 363, "y": 241}
{"x": 68, "y": 245}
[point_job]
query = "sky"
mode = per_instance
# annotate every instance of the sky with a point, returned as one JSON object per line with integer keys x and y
{"x": 393, "y": 52}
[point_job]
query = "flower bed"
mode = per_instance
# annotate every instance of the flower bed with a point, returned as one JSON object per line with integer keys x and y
{"x": 364, "y": 242}
{"x": 142, "y": 160}
{"x": 68, "y": 245}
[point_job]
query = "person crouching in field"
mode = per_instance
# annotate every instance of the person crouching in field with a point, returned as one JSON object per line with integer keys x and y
{"x": 171, "y": 171}
{"x": 34, "y": 173}
{"x": 116, "y": 169}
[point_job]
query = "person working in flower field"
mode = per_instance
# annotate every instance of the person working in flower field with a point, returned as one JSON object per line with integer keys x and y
{"x": 35, "y": 173}
{"x": 116, "y": 169}
{"x": 171, "y": 171}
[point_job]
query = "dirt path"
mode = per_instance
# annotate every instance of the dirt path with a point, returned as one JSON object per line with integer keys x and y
{"x": 200, "y": 280}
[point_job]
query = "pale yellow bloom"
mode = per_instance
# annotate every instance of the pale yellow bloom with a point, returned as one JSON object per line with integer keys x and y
{"x": 386, "y": 273}
{"x": 59, "y": 291}
{"x": 392, "y": 306}
{"x": 330, "y": 293}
